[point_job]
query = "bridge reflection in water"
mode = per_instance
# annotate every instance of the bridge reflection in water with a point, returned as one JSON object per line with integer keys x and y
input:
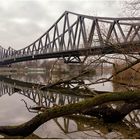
{"x": 71, "y": 126}
{"x": 45, "y": 98}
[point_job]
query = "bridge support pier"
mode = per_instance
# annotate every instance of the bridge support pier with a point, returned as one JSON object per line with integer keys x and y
{"x": 72, "y": 59}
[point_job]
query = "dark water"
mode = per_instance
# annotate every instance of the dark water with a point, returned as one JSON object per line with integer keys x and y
{"x": 13, "y": 110}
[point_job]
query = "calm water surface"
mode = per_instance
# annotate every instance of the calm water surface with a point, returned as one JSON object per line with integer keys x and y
{"x": 13, "y": 110}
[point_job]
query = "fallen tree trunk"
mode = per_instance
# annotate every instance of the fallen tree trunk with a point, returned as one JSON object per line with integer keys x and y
{"x": 111, "y": 115}
{"x": 28, "y": 127}
{"x": 104, "y": 127}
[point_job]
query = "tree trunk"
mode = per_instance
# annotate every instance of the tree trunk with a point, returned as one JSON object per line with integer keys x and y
{"x": 111, "y": 115}
{"x": 28, "y": 127}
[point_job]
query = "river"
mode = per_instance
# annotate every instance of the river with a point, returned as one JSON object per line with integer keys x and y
{"x": 13, "y": 109}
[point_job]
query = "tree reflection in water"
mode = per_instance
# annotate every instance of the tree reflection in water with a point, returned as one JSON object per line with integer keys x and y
{"x": 92, "y": 127}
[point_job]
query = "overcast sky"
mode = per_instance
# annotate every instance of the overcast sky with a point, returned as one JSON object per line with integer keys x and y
{"x": 23, "y": 21}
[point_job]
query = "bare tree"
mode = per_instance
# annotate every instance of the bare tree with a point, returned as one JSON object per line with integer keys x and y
{"x": 131, "y": 8}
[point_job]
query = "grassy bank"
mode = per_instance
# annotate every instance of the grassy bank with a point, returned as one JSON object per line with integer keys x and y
{"x": 131, "y": 73}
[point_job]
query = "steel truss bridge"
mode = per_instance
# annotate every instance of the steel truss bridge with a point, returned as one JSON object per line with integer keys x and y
{"x": 74, "y": 35}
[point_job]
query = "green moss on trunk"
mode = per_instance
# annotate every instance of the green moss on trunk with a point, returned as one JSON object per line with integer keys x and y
{"x": 28, "y": 127}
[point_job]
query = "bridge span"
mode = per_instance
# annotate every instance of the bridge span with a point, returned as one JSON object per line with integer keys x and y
{"x": 74, "y": 35}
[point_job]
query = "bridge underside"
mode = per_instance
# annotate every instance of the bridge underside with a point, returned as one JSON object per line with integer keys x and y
{"x": 121, "y": 49}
